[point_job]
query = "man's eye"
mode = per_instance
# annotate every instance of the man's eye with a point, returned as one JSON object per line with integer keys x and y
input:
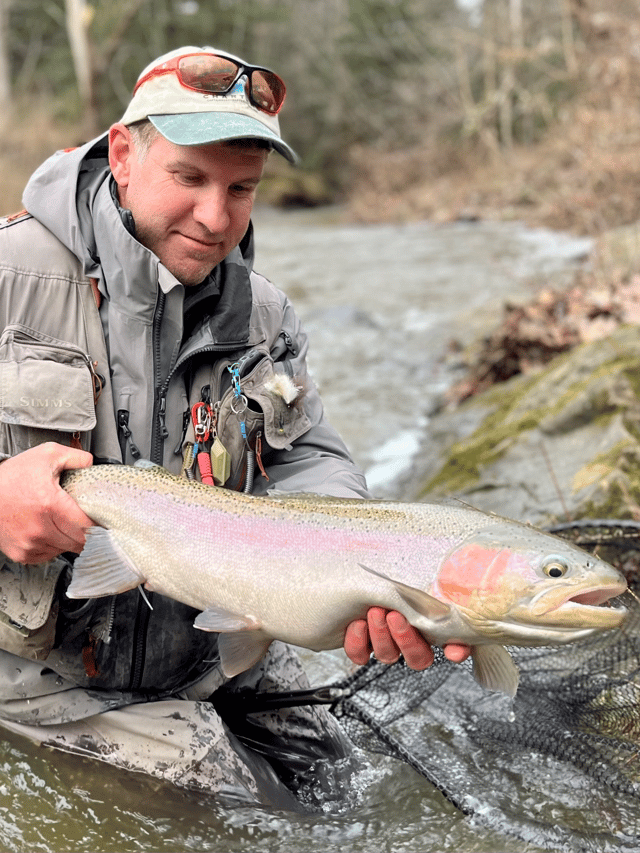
{"x": 242, "y": 189}
{"x": 189, "y": 180}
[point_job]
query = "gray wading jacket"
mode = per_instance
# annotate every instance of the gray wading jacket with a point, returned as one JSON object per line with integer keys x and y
{"x": 120, "y": 380}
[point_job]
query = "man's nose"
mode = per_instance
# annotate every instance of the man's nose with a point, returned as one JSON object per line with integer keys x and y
{"x": 211, "y": 210}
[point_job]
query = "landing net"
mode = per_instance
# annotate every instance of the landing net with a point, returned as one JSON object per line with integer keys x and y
{"x": 559, "y": 766}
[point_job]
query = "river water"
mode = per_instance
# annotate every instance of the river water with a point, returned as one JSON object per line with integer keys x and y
{"x": 381, "y": 304}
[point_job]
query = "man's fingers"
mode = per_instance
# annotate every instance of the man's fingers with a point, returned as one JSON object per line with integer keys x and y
{"x": 415, "y": 649}
{"x": 384, "y": 646}
{"x": 456, "y": 653}
{"x": 388, "y": 634}
{"x": 68, "y": 518}
{"x": 65, "y": 458}
{"x": 38, "y": 519}
{"x": 356, "y": 642}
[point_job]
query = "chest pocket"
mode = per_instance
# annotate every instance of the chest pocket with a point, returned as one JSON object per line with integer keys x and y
{"x": 48, "y": 390}
{"x": 267, "y": 414}
{"x": 279, "y": 398}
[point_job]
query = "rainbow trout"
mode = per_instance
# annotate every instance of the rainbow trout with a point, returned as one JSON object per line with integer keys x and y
{"x": 300, "y": 568}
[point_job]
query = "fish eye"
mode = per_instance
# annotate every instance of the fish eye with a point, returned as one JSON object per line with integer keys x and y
{"x": 555, "y": 567}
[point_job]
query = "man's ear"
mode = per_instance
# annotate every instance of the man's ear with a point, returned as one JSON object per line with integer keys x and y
{"x": 121, "y": 152}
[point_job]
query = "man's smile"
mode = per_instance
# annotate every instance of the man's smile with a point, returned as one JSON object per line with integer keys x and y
{"x": 199, "y": 242}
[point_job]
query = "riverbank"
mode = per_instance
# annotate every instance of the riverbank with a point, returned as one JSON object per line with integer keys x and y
{"x": 602, "y": 297}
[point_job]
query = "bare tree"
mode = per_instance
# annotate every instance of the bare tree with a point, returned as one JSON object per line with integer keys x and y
{"x": 78, "y": 19}
{"x": 90, "y": 61}
{"x": 5, "y": 75}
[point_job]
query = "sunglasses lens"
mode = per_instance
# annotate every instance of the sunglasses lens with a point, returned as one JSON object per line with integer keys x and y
{"x": 216, "y": 74}
{"x": 208, "y": 73}
{"x": 267, "y": 91}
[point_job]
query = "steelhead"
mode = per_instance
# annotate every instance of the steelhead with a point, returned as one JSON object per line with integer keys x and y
{"x": 300, "y": 568}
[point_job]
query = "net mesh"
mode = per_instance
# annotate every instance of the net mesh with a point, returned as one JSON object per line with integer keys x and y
{"x": 558, "y": 766}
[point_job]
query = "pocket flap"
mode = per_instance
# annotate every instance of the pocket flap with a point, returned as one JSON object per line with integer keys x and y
{"x": 44, "y": 382}
{"x": 26, "y": 593}
{"x": 281, "y": 400}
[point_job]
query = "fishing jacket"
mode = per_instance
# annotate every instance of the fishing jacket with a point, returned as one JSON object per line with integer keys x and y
{"x": 102, "y": 348}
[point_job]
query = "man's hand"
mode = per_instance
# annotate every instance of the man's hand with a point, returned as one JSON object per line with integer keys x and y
{"x": 38, "y": 519}
{"x": 388, "y": 635}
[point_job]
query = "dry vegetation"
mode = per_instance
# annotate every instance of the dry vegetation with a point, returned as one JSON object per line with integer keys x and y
{"x": 29, "y": 135}
{"x": 583, "y": 176}
{"x": 530, "y": 335}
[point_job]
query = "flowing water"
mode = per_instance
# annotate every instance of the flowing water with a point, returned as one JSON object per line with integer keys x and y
{"x": 381, "y": 304}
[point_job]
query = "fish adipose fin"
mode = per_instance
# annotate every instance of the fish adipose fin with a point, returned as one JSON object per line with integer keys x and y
{"x": 241, "y": 651}
{"x": 102, "y": 568}
{"x": 493, "y": 668}
{"x": 420, "y": 600}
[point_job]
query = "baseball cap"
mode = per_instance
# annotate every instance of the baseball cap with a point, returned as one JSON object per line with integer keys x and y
{"x": 185, "y": 116}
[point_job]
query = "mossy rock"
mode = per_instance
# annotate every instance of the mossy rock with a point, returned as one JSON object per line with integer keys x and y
{"x": 563, "y": 443}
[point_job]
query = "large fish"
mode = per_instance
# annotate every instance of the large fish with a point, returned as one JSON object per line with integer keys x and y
{"x": 301, "y": 568}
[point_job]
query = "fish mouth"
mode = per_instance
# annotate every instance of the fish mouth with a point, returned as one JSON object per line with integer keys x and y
{"x": 595, "y": 597}
{"x": 560, "y": 610}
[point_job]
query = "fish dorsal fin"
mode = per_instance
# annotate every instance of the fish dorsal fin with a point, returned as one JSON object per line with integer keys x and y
{"x": 416, "y": 598}
{"x": 493, "y": 668}
{"x": 102, "y": 568}
{"x": 241, "y": 651}
{"x": 145, "y": 463}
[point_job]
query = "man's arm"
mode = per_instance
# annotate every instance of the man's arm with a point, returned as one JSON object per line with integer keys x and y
{"x": 38, "y": 519}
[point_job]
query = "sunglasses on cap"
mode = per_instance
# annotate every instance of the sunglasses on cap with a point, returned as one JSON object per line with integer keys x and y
{"x": 217, "y": 75}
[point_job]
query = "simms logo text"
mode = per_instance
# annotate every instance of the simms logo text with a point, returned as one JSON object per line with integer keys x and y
{"x": 44, "y": 403}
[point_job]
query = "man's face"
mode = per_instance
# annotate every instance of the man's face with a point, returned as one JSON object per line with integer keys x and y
{"x": 191, "y": 205}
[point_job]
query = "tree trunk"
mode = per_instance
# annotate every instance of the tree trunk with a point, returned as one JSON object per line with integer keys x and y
{"x": 78, "y": 17}
{"x": 5, "y": 72}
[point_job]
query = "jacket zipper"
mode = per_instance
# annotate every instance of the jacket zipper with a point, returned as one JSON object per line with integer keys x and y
{"x": 158, "y": 429}
{"x": 158, "y": 435}
{"x": 125, "y": 436}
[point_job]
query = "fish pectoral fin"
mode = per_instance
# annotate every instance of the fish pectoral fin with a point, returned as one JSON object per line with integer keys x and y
{"x": 218, "y": 619}
{"x": 416, "y": 598}
{"x": 240, "y": 651}
{"x": 102, "y": 568}
{"x": 493, "y": 668}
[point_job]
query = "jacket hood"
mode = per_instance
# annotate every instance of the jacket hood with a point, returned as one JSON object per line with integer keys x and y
{"x": 60, "y": 195}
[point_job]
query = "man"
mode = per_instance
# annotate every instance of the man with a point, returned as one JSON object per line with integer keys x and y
{"x": 132, "y": 325}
